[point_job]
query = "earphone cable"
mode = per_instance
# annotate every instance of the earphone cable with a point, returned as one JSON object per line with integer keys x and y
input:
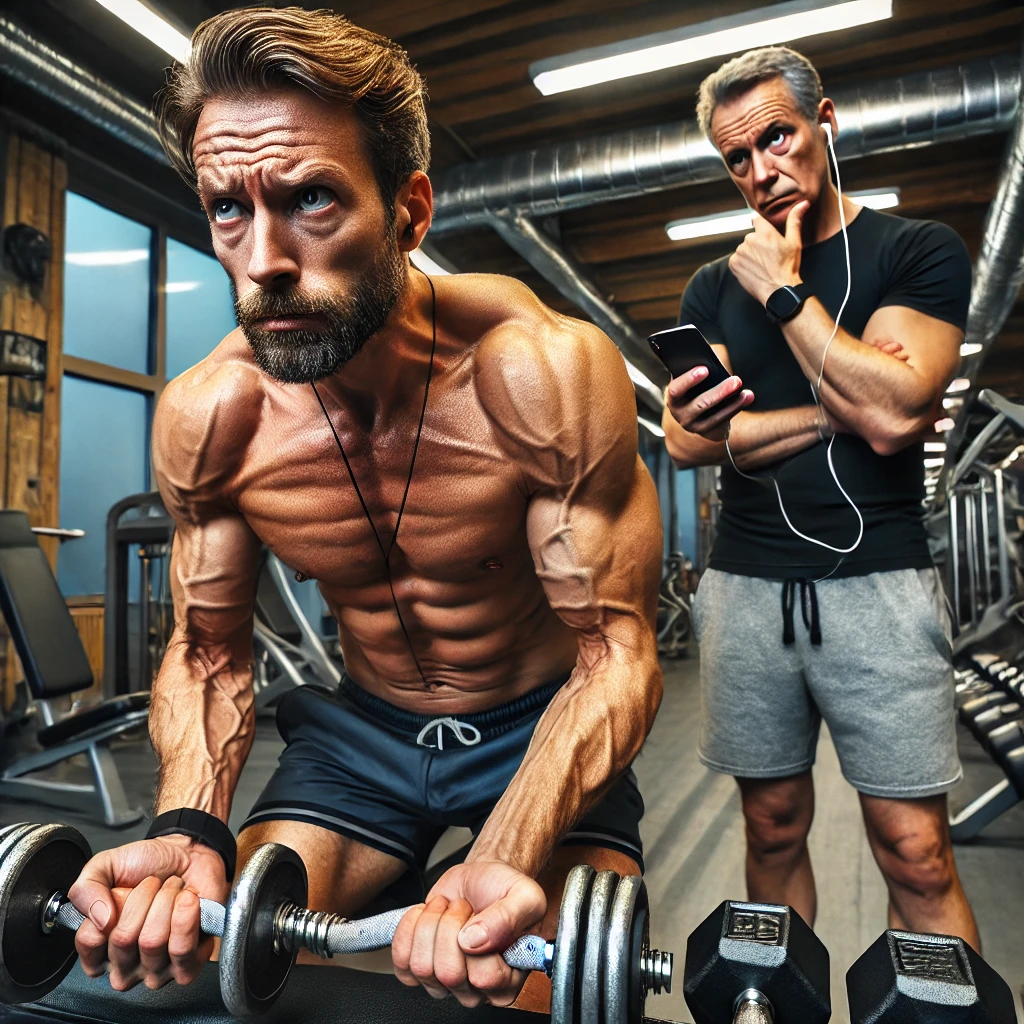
{"x": 386, "y": 554}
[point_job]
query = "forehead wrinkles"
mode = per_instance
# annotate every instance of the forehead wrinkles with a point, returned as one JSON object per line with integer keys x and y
{"x": 744, "y": 129}
{"x": 221, "y": 157}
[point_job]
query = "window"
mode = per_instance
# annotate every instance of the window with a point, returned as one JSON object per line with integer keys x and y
{"x": 107, "y": 286}
{"x": 104, "y": 455}
{"x": 200, "y": 311}
{"x": 139, "y": 309}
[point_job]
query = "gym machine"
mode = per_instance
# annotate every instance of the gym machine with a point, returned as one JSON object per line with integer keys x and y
{"x": 983, "y": 586}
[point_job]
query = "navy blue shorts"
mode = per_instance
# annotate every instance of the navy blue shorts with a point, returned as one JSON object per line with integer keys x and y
{"x": 395, "y": 781}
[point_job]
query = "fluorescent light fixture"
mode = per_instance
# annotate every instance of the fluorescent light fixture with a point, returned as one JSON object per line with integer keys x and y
{"x": 876, "y": 199}
{"x": 719, "y": 224}
{"x": 420, "y": 259}
{"x": 960, "y": 384}
{"x": 970, "y": 348}
{"x": 762, "y": 26}
{"x": 148, "y": 23}
{"x": 106, "y": 257}
{"x": 952, "y": 403}
{"x": 933, "y": 462}
{"x": 941, "y": 426}
{"x": 173, "y": 287}
{"x": 935, "y": 446}
{"x": 653, "y": 427}
{"x": 736, "y": 221}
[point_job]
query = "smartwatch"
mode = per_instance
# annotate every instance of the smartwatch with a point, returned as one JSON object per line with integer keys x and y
{"x": 784, "y": 303}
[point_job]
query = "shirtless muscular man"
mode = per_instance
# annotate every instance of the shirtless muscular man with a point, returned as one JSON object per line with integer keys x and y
{"x": 456, "y": 465}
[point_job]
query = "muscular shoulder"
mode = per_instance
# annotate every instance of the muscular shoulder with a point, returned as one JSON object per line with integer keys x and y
{"x": 203, "y": 425}
{"x": 556, "y": 391}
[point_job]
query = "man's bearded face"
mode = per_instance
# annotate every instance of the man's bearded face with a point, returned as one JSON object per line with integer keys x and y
{"x": 339, "y": 325}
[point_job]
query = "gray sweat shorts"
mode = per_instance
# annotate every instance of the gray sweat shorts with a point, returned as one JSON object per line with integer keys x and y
{"x": 880, "y": 676}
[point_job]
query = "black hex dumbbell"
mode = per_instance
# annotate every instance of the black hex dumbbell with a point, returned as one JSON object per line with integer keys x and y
{"x": 756, "y": 962}
{"x": 976, "y": 687}
{"x": 905, "y": 978}
{"x": 987, "y": 722}
{"x": 971, "y": 709}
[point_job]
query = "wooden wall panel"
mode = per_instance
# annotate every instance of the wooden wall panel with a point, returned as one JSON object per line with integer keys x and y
{"x": 88, "y": 615}
{"x": 34, "y": 186}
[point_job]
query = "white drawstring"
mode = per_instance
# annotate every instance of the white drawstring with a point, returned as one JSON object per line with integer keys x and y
{"x": 468, "y": 735}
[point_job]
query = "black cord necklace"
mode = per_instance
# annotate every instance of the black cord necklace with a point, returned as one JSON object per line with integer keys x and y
{"x": 386, "y": 553}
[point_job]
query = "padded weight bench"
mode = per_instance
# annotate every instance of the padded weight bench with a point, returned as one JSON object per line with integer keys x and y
{"x": 55, "y": 665}
{"x": 314, "y": 995}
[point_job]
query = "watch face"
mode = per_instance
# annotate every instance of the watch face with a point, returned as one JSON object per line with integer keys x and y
{"x": 782, "y": 303}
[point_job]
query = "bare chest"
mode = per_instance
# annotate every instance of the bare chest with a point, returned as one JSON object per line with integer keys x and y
{"x": 459, "y": 514}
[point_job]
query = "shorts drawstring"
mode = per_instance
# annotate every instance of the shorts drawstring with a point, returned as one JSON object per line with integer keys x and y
{"x": 788, "y": 599}
{"x": 468, "y": 735}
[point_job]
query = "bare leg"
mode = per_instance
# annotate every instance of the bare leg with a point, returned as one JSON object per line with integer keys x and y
{"x": 343, "y": 875}
{"x": 778, "y": 815}
{"x": 911, "y": 844}
{"x": 536, "y": 993}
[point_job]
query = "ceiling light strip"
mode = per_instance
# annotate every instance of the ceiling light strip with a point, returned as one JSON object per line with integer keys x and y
{"x": 797, "y": 19}
{"x": 148, "y": 23}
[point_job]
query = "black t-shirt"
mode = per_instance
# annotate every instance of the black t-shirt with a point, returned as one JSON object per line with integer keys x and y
{"x": 895, "y": 262}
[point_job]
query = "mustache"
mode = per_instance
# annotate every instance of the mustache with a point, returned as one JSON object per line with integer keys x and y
{"x": 263, "y": 305}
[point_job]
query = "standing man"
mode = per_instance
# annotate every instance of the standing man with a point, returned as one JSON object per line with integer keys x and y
{"x": 827, "y": 408}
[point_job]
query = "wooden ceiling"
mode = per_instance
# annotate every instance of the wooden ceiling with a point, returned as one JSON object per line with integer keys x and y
{"x": 475, "y": 56}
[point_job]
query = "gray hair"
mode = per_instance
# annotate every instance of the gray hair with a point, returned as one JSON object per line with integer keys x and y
{"x": 741, "y": 73}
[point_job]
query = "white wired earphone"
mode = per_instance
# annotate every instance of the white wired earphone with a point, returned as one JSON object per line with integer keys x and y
{"x": 815, "y": 390}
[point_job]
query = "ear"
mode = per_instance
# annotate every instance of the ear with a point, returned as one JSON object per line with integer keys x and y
{"x": 827, "y": 116}
{"x": 414, "y": 207}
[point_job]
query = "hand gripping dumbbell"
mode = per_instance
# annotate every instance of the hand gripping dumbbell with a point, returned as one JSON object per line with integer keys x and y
{"x": 601, "y": 959}
{"x": 755, "y": 963}
{"x": 905, "y": 978}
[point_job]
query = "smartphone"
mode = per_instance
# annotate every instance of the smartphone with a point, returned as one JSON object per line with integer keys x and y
{"x": 683, "y": 349}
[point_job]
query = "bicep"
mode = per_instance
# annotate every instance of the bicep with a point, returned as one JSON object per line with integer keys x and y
{"x": 214, "y": 563}
{"x": 931, "y": 345}
{"x": 597, "y": 550}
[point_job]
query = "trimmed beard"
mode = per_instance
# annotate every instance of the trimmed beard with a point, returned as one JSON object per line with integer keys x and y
{"x": 309, "y": 355}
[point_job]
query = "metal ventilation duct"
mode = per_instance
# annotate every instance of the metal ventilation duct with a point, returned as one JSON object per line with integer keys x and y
{"x": 998, "y": 273}
{"x": 552, "y": 262}
{"x": 914, "y": 110}
{"x": 25, "y": 59}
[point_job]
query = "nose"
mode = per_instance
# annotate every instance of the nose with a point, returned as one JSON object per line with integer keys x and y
{"x": 271, "y": 263}
{"x": 763, "y": 170}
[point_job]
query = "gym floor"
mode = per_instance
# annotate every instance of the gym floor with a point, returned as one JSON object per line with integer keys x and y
{"x": 693, "y": 837}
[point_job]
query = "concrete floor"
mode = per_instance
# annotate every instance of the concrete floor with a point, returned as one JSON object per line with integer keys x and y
{"x": 694, "y": 843}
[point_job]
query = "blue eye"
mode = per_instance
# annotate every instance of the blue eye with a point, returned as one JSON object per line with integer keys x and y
{"x": 312, "y": 199}
{"x": 225, "y": 210}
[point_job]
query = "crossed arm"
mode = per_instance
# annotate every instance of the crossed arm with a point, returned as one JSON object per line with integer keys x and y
{"x": 885, "y": 387}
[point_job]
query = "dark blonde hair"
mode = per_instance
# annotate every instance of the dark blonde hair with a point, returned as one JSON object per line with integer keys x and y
{"x": 263, "y": 48}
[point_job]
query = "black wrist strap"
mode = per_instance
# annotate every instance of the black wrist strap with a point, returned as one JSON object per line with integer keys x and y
{"x": 204, "y": 828}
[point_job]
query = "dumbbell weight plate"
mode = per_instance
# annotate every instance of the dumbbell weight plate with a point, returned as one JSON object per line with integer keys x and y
{"x": 595, "y": 947}
{"x": 627, "y": 935}
{"x": 41, "y": 860}
{"x": 572, "y": 916}
{"x": 252, "y": 973}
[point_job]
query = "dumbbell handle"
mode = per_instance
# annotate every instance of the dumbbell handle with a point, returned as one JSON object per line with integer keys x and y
{"x": 752, "y": 1007}
{"x": 321, "y": 932}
